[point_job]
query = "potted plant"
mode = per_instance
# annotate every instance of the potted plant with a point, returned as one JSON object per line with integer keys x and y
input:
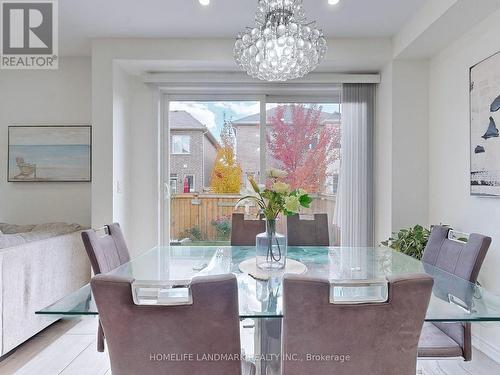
{"x": 411, "y": 241}
{"x": 276, "y": 199}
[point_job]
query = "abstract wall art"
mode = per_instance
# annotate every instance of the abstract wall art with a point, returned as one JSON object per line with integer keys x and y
{"x": 49, "y": 153}
{"x": 484, "y": 123}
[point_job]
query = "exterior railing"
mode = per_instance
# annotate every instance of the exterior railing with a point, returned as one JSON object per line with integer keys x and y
{"x": 204, "y": 217}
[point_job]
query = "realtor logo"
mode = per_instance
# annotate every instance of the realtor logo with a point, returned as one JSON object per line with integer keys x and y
{"x": 29, "y": 35}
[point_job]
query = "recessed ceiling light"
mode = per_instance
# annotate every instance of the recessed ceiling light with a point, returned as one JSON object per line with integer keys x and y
{"x": 204, "y": 2}
{"x": 333, "y": 2}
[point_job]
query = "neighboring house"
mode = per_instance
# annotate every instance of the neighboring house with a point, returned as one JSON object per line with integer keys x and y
{"x": 192, "y": 153}
{"x": 248, "y": 143}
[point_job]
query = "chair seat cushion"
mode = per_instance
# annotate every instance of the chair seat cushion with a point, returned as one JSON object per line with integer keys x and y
{"x": 435, "y": 343}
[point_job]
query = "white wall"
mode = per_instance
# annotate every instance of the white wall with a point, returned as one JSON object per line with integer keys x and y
{"x": 409, "y": 143}
{"x": 144, "y": 203}
{"x": 449, "y": 198}
{"x": 383, "y": 157}
{"x": 135, "y": 175}
{"x": 401, "y": 150}
{"x": 44, "y": 97}
{"x": 122, "y": 144}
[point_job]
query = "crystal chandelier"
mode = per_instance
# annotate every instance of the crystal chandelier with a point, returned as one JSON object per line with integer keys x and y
{"x": 283, "y": 45}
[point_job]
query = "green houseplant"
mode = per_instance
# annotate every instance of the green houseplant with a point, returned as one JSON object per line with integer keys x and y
{"x": 411, "y": 241}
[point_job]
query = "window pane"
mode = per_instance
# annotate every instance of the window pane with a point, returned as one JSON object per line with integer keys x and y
{"x": 180, "y": 143}
{"x": 215, "y": 146}
{"x": 303, "y": 139}
{"x": 173, "y": 184}
{"x": 176, "y": 148}
{"x": 185, "y": 144}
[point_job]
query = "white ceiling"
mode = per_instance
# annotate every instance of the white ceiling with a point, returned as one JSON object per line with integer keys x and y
{"x": 82, "y": 20}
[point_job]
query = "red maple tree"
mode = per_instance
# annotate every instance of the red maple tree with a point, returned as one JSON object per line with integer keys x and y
{"x": 305, "y": 146}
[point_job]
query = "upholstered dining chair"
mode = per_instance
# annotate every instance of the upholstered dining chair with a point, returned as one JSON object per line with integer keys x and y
{"x": 368, "y": 338}
{"x": 463, "y": 259}
{"x": 243, "y": 231}
{"x": 308, "y": 232}
{"x": 106, "y": 252}
{"x": 172, "y": 339}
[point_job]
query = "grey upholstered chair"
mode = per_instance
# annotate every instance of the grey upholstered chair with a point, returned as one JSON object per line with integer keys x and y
{"x": 105, "y": 253}
{"x": 243, "y": 231}
{"x": 463, "y": 260}
{"x": 108, "y": 251}
{"x": 308, "y": 232}
{"x": 379, "y": 338}
{"x": 140, "y": 338}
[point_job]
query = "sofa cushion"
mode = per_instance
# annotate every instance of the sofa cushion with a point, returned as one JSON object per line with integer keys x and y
{"x": 35, "y": 275}
{"x": 15, "y": 228}
{"x": 57, "y": 228}
{"x": 36, "y": 233}
{"x": 9, "y": 240}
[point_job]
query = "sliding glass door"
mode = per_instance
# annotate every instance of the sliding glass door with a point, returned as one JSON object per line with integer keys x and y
{"x": 211, "y": 147}
{"x": 205, "y": 167}
{"x": 303, "y": 140}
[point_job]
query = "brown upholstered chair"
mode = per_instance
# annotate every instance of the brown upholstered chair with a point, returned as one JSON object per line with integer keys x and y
{"x": 243, "y": 232}
{"x": 105, "y": 253}
{"x": 379, "y": 338}
{"x": 141, "y": 338}
{"x": 308, "y": 232}
{"x": 463, "y": 260}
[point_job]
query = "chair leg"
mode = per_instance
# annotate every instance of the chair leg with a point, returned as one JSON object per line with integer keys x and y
{"x": 100, "y": 338}
{"x": 467, "y": 349}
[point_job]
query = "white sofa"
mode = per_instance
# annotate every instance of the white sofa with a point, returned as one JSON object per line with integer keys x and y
{"x": 37, "y": 268}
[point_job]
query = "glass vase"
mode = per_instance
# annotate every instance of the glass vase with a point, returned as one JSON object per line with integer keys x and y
{"x": 271, "y": 248}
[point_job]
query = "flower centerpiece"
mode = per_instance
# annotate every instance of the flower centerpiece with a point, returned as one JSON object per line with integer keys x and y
{"x": 274, "y": 200}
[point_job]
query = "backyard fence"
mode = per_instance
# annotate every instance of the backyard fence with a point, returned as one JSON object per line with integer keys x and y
{"x": 194, "y": 215}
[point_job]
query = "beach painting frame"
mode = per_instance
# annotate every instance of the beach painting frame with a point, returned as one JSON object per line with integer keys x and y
{"x": 49, "y": 153}
{"x": 484, "y": 88}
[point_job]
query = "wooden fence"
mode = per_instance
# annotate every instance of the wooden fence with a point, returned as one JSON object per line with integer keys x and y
{"x": 195, "y": 214}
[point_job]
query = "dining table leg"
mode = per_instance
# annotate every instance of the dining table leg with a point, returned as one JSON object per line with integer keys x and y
{"x": 268, "y": 346}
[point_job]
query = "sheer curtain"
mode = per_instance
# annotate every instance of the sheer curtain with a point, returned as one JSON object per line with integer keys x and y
{"x": 354, "y": 208}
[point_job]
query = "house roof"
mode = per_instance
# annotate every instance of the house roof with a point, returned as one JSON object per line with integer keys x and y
{"x": 255, "y": 118}
{"x": 183, "y": 120}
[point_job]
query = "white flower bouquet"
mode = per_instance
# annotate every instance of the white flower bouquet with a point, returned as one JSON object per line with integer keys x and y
{"x": 279, "y": 198}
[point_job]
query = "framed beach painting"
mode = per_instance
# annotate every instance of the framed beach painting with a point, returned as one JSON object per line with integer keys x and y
{"x": 50, "y": 153}
{"x": 484, "y": 121}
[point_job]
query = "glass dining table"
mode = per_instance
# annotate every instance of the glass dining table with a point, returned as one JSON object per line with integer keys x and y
{"x": 355, "y": 274}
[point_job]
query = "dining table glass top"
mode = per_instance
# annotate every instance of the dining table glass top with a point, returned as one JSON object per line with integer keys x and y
{"x": 356, "y": 274}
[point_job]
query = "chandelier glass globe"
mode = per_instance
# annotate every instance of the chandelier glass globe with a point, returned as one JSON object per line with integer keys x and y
{"x": 283, "y": 44}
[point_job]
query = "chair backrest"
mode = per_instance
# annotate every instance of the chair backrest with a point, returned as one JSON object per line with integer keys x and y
{"x": 379, "y": 338}
{"x": 243, "y": 232}
{"x": 308, "y": 232}
{"x": 463, "y": 260}
{"x": 177, "y": 340}
{"x": 108, "y": 251}
{"x": 458, "y": 258}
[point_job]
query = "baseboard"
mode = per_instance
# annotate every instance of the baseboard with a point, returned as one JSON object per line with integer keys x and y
{"x": 490, "y": 350}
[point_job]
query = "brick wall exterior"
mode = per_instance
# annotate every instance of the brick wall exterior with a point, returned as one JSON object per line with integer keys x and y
{"x": 209, "y": 154}
{"x": 248, "y": 149}
{"x": 189, "y": 164}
